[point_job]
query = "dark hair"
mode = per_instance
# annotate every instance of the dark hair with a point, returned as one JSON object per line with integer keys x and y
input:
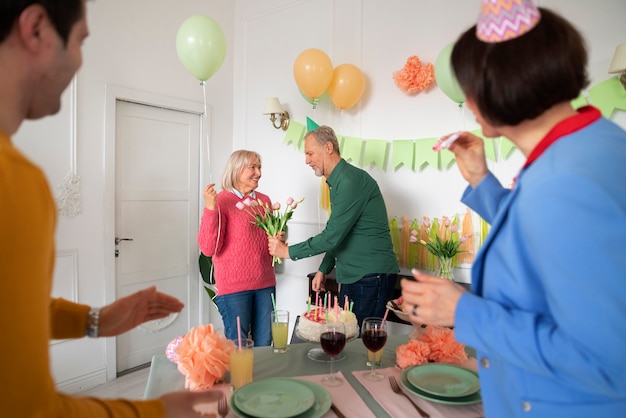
{"x": 521, "y": 78}
{"x": 63, "y": 14}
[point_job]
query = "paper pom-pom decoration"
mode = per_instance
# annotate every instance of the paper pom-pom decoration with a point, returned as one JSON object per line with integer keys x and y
{"x": 501, "y": 20}
{"x": 434, "y": 344}
{"x": 414, "y": 77}
{"x": 203, "y": 357}
{"x": 170, "y": 350}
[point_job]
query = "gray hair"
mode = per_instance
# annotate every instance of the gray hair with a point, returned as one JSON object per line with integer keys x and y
{"x": 237, "y": 161}
{"x": 325, "y": 134}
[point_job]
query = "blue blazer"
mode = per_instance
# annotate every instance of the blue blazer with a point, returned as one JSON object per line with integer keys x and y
{"x": 547, "y": 312}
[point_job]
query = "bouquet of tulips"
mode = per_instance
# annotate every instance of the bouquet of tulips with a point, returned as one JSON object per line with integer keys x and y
{"x": 270, "y": 219}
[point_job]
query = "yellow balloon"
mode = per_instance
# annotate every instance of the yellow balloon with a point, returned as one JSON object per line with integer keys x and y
{"x": 347, "y": 86}
{"x": 313, "y": 71}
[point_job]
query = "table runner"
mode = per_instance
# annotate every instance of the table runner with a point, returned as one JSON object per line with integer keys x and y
{"x": 398, "y": 406}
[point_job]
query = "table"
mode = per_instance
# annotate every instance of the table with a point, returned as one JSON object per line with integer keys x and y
{"x": 164, "y": 377}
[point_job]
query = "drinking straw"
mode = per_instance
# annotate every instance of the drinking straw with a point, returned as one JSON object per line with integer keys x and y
{"x": 275, "y": 311}
{"x": 325, "y": 300}
{"x": 382, "y": 324}
{"x": 239, "y": 330}
{"x": 345, "y": 305}
{"x": 317, "y": 299}
{"x": 351, "y": 305}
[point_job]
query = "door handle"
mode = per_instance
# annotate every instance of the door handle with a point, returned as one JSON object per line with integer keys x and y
{"x": 118, "y": 240}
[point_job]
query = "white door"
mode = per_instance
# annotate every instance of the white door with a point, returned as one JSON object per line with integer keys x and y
{"x": 157, "y": 162}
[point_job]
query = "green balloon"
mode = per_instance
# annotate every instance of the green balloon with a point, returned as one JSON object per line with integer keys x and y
{"x": 201, "y": 46}
{"x": 444, "y": 75}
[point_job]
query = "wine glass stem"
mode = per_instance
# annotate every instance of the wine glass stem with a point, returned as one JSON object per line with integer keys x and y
{"x": 373, "y": 366}
{"x": 332, "y": 376}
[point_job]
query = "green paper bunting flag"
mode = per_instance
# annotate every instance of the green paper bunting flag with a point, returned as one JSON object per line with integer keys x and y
{"x": 578, "y": 102}
{"x": 294, "y": 134}
{"x": 375, "y": 153}
{"x": 490, "y": 152}
{"x": 310, "y": 125}
{"x": 403, "y": 152}
{"x": 608, "y": 96}
{"x": 446, "y": 158}
{"x": 424, "y": 153}
{"x": 352, "y": 148}
{"x": 506, "y": 148}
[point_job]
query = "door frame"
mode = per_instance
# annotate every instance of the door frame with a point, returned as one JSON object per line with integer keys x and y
{"x": 113, "y": 93}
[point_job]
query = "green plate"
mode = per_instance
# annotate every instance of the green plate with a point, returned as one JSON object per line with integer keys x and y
{"x": 445, "y": 380}
{"x": 274, "y": 398}
{"x": 463, "y": 400}
{"x": 321, "y": 403}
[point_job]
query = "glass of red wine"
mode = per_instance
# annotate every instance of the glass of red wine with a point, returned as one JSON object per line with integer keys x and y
{"x": 374, "y": 336}
{"x": 333, "y": 339}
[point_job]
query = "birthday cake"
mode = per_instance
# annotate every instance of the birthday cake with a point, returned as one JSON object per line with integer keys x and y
{"x": 311, "y": 323}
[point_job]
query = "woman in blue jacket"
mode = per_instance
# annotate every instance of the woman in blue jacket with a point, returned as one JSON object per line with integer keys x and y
{"x": 547, "y": 311}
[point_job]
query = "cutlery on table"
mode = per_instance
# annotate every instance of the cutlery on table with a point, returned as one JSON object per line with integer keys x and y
{"x": 222, "y": 407}
{"x": 396, "y": 388}
{"x": 337, "y": 411}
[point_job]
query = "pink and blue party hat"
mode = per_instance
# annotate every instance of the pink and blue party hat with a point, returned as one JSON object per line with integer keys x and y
{"x": 502, "y": 20}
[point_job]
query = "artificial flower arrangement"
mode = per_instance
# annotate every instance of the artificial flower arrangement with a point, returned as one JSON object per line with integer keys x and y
{"x": 434, "y": 344}
{"x": 202, "y": 356}
{"x": 270, "y": 219}
{"x": 442, "y": 241}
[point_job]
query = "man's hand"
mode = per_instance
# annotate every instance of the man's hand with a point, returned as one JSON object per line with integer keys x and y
{"x": 126, "y": 313}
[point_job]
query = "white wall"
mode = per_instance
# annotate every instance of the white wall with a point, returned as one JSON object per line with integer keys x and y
{"x": 132, "y": 44}
{"x": 378, "y": 37}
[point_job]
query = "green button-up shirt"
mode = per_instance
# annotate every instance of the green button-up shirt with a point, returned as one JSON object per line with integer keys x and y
{"x": 356, "y": 239}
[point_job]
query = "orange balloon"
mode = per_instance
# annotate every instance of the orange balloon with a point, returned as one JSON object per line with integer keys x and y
{"x": 313, "y": 71}
{"x": 347, "y": 86}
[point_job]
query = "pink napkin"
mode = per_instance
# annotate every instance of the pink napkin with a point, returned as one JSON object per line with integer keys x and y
{"x": 398, "y": 406}
{"x": 344, "y": 397}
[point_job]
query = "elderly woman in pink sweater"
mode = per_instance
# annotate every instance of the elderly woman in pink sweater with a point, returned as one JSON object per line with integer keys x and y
{"x": 244, "y": 276}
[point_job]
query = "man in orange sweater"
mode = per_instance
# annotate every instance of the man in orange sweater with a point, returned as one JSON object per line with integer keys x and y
{"x": 40, "y": 50}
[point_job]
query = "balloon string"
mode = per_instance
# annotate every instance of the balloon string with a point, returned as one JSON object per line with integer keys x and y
{"x": 205, "y": 124}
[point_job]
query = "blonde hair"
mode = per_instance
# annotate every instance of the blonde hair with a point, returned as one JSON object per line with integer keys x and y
{"x": 236, "y": 163}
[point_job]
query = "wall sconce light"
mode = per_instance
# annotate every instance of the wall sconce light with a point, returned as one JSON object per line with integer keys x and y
{"x": 618, "y": 63}
{"x": 276, "y": 112}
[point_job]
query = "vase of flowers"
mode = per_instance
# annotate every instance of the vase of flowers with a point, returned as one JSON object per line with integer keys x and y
{"x": 443, "y": 243}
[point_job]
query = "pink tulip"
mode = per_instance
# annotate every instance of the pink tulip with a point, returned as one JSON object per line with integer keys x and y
{"x": 414, "y": 232}
{"x": 413, "y": 239}
{"x": 240, "y": 205}
{"x": 247, "y": 201}
{"x": 276, "y": 206}
{"x": 289, "y": 201}
{"x": 454, "y": 228}
{"x": 253, "y": 204}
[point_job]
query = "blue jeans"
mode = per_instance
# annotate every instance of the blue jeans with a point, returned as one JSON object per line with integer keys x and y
{"x": 253, "y": 307}
{"x": 370, "y": 294}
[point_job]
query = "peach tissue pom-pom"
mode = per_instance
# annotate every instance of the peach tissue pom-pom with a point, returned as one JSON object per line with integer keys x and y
{"x": 434, "y": 344}
{"x": 414, "y": 77}
{"x": 443, "y": 347}
{"x": 413, "y": 353}
{"x": 203, "y": 357}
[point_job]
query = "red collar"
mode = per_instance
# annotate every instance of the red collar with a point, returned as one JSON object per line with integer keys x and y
{"x": 586, "y": 115}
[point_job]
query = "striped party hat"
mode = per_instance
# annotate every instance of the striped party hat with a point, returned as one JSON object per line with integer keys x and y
{"x": 501, "y": 20}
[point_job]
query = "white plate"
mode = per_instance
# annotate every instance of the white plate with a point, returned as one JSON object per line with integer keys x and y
{"x": 400, "y": 314}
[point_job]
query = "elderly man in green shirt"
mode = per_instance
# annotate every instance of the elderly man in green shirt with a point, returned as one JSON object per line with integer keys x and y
{"x": 356, "y": 239}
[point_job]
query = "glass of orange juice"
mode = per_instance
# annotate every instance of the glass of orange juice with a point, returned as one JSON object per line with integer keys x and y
{"x": 280, "y": 330}
{"x": 242, "y": 363}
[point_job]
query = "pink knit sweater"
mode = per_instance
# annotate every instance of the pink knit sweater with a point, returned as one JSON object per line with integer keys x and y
{"x": 241, "y": 259}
